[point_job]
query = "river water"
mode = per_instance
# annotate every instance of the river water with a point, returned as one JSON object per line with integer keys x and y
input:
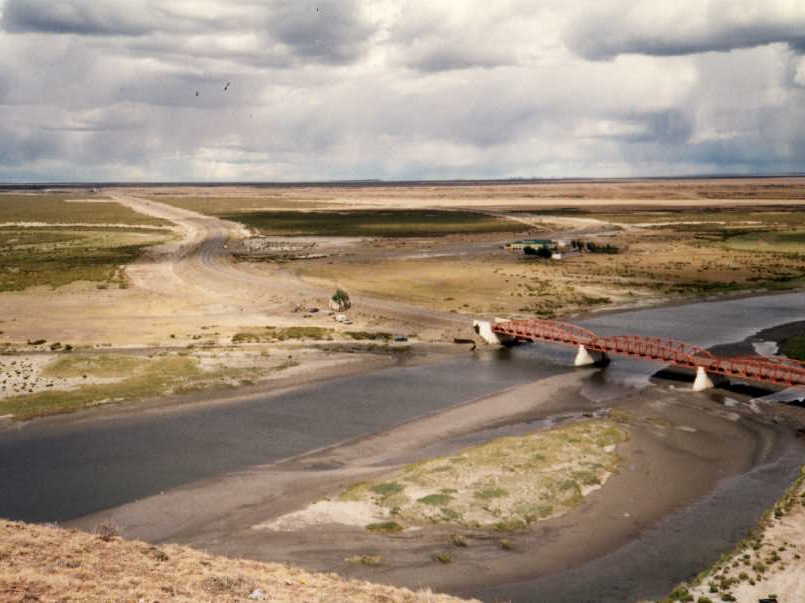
{"x": 60, "y": 471}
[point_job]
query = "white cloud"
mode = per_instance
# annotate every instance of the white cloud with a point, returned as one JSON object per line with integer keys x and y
{"x": 397, "y": 89}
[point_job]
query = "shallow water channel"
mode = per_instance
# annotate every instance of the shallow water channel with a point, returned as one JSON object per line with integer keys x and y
{"x": 62, "y": 470}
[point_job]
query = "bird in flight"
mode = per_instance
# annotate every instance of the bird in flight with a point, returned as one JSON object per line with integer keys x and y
{"x": 227, "y": 86}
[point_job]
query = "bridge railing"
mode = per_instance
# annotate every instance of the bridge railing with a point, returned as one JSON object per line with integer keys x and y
{"x": 780, "y": 371}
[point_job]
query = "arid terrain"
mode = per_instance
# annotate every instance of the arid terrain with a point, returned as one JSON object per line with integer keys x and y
{"x": 153, "y": 296}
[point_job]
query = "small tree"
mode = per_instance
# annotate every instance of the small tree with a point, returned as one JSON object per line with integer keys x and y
{"x": 540, "y": 252}
{"x": 340, "y": 301}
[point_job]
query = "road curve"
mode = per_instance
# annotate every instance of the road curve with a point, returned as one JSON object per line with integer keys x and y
{"x": 199, "y": 266}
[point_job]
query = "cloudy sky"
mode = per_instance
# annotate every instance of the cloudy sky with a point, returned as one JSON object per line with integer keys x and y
{"x": 397, "y": 89}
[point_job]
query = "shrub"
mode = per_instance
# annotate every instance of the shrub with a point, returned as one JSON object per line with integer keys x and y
{"x": 491, "y": 493}
{"x": 385, "y": 526}
{"x": 387, "y": 488}
{"x": 437, "y": 500}
{"x": 443, "y": 557}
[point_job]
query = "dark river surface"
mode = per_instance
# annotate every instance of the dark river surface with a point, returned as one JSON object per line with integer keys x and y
{"x": 60, "y": 471}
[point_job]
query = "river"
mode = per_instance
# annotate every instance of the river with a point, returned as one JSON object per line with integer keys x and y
{"x": 63, "y": 470}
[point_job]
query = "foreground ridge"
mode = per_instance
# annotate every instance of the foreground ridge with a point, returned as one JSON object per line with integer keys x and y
{"x": 47, "y": 563}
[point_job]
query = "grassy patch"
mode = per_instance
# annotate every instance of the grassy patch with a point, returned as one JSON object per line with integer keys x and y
{"x": 437, "y": 500}
{"x": 104, "y": 365}
{"x": 387, "y": 488}
{"x": 369, "y": 560}
{"x": 269, "y": 334}
{"x": 139, "y": 378}
{"x": 490, "y": 493}
{"x": 57, "y": 208}
{"x": 506, "y": 484}
{"x": 785, "y": 242}
{"x": 368, "y": 335}
{"x": 794, "y": 347}
{"x": 372, "y": 223}
{"x": 36, "y": 257}
{"x": 385, "y": 526}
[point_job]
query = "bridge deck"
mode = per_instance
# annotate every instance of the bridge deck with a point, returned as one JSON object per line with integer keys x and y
{"x": 778, "y": 371}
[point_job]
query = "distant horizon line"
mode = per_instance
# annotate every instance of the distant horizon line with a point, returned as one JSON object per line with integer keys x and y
{"x": 36, "y": 184}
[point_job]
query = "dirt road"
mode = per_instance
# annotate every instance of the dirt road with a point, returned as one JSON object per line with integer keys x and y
{"x": 200, "y": 267}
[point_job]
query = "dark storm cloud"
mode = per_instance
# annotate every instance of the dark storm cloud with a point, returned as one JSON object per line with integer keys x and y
{"x": 85, "y": 17}
{"x": 446, "y": 58}
{"x": 328, "y": 31}
{"x": 684, "y": 27}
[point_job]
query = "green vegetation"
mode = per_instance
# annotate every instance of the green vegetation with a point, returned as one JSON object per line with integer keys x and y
{"x": 505, "y": 484}
{"x": 387, "y": 488}
{"x": 783, "y": 242}
{"x": 104, "y": 366}
{"x": 385, "y": 526}
{"x": 56, "y": 208}
{"x": 372, "y": 223}
{"x": 56, "y": 257}
{"x": 369, "y": 560}
{"x": 139, "y": 378}
{"x": 491, "y": 493}
{"x": 540, "y": 252}
{"x": 794, "y": 347}
{"x": 368, "y": 335}
{"x": 269, "y": 334}
{"x": 437, "y": 500}
{"x": 341, "y": 299}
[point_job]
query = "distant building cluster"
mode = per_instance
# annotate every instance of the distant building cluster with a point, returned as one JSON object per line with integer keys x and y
{"x": 556, "y": 249}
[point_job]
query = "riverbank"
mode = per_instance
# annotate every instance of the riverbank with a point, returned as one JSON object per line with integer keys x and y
{"x": 680, "y": 447}
{"x": 300, "y": 365}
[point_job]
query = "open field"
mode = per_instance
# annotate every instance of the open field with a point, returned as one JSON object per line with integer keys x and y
{"x": 47, "y": 563}
{"x": 35, "y": 257}
{"x": 37, "y": 385}
{"x": 373, "y": 223}
{"x": 69, "y": 208}
{"x": 677, "y": 239}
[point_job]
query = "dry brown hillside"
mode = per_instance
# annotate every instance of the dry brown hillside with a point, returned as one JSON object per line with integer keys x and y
{"x": 44, "y": 563}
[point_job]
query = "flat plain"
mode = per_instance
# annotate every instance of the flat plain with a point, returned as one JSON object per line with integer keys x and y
{"x": 147, "y": 297}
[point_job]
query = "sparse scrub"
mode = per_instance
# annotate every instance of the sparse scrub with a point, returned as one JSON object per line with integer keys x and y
{"x": 135, "y": 378}
{"x": 506, "y": 484}
{"x": 94, "y": 256}
{"x": 443, "y": 557}
{"x": 385, "y": 526}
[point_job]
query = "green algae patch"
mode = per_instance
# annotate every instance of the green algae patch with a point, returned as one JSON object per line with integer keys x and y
{"x": 506, "y": 484}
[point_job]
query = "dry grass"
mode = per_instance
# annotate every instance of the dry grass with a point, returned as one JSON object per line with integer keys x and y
{"x": 42, "y": 563}
{"x": 502, "y": 285}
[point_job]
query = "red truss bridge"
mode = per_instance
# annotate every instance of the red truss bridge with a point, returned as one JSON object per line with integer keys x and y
{"x": 777, "y": 371}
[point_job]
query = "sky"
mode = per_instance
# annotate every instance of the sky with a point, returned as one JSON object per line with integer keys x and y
{"x": 298, "y": 90}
